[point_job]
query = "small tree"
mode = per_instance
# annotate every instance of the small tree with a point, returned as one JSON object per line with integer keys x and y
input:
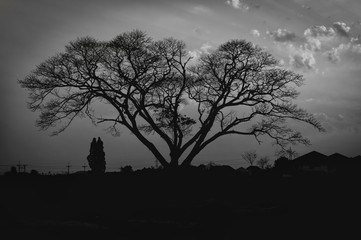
{"x": 264, "y": 162}
{"x": 34, "y": 172}
{"x": 250, "y": 157}
{"x": 13, "y": 170}
{"x": 96, "y": 157}
{"x": 126, "y": 169}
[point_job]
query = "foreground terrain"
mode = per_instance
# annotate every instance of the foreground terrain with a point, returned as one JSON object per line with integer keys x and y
{"x": 188, "y": 204}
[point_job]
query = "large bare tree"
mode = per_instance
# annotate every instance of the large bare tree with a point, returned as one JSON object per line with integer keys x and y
{"x": 236, "y": 89}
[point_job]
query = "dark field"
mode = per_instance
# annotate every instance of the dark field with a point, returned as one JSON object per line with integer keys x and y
{"x": 190, "y": 204}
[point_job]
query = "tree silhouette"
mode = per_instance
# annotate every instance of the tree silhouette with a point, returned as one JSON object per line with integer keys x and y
{"x": 264, "y": 162}
{"x": 126, "y": 169}
{"x": 96, "y": 157}
{"x": 13, "y": 170}
{"x": 149, "y": 85}
{"x": 250, "y": 157}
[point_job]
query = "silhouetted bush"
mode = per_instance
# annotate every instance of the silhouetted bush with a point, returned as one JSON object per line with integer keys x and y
{"x": 34, "y": 172}
{"x": 126, "y": 169}
{"x": 96, "y": 157}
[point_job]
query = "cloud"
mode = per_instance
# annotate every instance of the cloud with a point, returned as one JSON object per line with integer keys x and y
{"x": 300, "y": 57}
{"x": 338, "y": 122}
{"x": 314, "y": 44}
{"x": 307, "y": 7}
{"x": 206, "y": 47}
{"x": 356, "y": 48}
{"x": 333, "y": 43}
{"x": 195, "y": 54}
{"x": 344, "y": 51}
{"x": 319, "y": 36}
{"x": 341, "y": 28}
{"x": 340, "y": 117}
{"x": 203, "y": 49}
{"x": 333, "y": 55}
{"x": 303, "y": 60}
{"x": 199, "y": 9}
{"x": 281, "y": 62}
{"x": 238, "y": 4}
{"x": 255, "y": 33}
{"x": 356, "y": 40}
{"x": 282, "y": 35}
{"x": 319, "y": 31}
{"x": 321, "y": 117}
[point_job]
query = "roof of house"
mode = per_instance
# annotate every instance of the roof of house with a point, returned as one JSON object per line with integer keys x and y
{"x": 337, "y": 157}
{"x": 316, "y": 158}
{"x": 311, "y": 157}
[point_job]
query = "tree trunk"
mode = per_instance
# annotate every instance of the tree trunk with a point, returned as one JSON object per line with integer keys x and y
{"x": 174, "y": 160}
{"x": 189, "y": 158}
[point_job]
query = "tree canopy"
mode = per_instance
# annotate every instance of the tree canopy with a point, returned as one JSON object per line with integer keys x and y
{"x": 236, "y": 89}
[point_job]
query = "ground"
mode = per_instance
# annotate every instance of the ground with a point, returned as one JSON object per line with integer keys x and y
{"x": 168, "y": 205}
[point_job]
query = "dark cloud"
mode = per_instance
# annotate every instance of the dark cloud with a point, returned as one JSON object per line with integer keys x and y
{"x": 341, "y": 29}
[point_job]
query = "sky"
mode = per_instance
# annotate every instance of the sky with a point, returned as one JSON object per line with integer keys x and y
{"x": 319, "y": 39}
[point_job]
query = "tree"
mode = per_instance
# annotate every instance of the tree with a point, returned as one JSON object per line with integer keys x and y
{"x": 96, "y": 157}
{"x": 250, "y": 157}
{"x": 287, "y": 153}
{"x": 150, "y": 85}
{"x": 264, "y": 162}
{"x": 13, "y": 170}
{"x": 34, "y": 172}
{"x": 126, "y": 169}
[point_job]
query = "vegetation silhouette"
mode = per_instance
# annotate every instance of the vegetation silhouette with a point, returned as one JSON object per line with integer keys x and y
{"x": 250, "y": 157}
{"x": 126, "y": 169}
{"x": 96, "y": 157}
{"x": 264, "y": 162}
{"x": 212, "y": 202}
{"x": 236, "y": 89}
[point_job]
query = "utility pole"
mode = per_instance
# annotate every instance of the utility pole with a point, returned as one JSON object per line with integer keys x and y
{"x": 68, "y": 166}
{"x": 24, "y": 168}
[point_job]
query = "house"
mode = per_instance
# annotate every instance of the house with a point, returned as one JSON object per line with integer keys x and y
{"x": 311, "y": 162}
{"x": 319, "y": 163}
{"x": 338, "y": 162}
